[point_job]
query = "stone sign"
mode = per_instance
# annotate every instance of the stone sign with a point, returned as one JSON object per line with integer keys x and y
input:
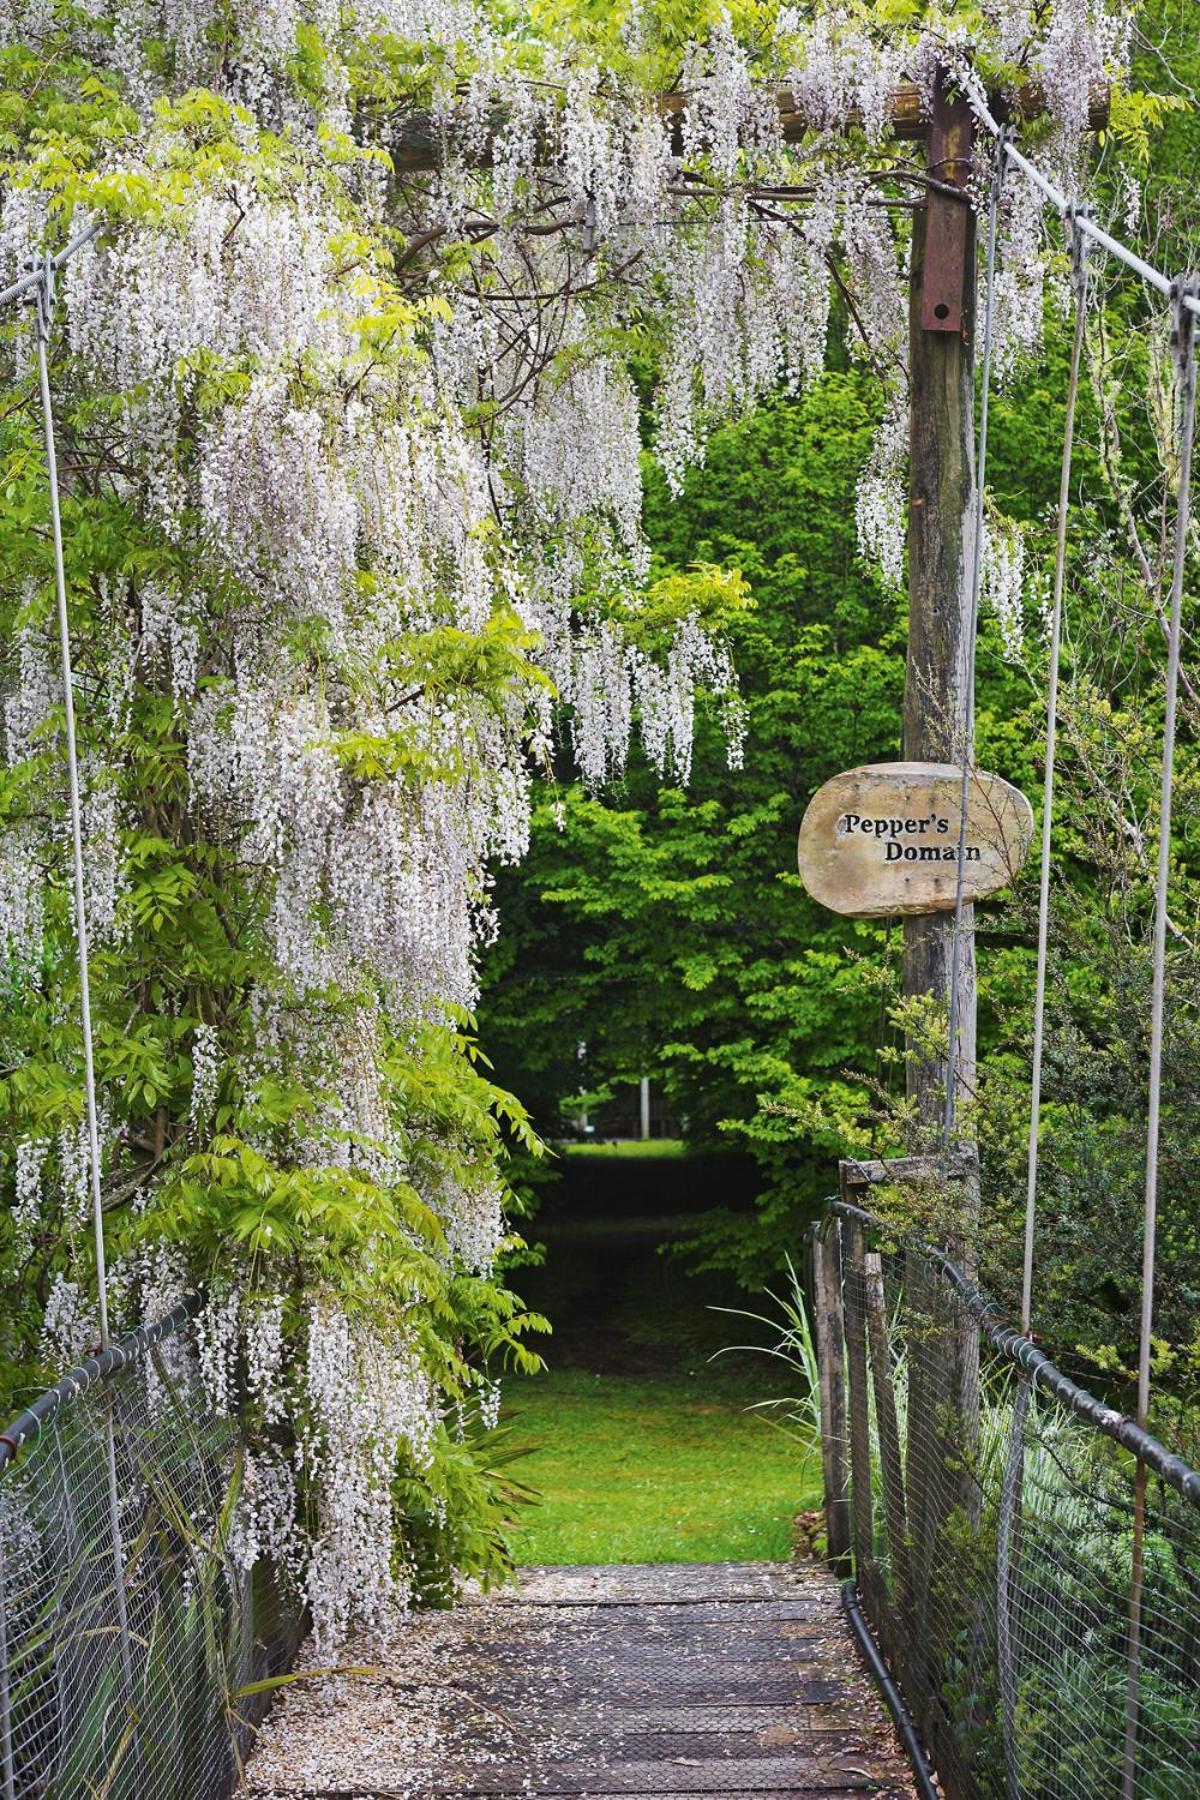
{"x": 884, "y": 839}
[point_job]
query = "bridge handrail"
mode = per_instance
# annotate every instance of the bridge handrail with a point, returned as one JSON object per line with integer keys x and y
{"x": 996, "y": 1544}
{"x": 140, "y": 1631}
{"x": 1022, "y": 1351}
{"x": 91, "y": 1373}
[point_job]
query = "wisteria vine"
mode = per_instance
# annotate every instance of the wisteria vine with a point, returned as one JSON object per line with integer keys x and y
{"x": 353, "y": 381}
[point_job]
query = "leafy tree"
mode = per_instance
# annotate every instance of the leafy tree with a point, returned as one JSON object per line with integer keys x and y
{"x": 667, "y": 928}
{"x": 679, "y": 943}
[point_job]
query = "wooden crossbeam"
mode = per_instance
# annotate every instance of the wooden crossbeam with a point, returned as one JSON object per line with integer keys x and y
{"x": 415, "y": 146}
{"x": 875, "y": 1170}
{"x": 909, "y": 116}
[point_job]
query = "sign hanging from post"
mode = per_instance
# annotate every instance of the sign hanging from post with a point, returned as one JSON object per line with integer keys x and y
{"x": 884, "y": 839}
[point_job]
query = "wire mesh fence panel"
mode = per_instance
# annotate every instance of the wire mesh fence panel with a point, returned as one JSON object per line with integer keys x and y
{"x": 130, "y": 1636}
{"x": 995, "y": 1549}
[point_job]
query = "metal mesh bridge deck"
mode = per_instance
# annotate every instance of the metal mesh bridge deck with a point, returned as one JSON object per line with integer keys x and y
{"x": 636, "y": 1679}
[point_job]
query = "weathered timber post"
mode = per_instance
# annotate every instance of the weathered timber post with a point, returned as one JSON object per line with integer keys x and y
{"x": 941, "y": 532}
{"x": 831, "y": 1367}
{"x": 862, "y": 1512}
{"x": 944, "y": 1366}
{"x": 891, "y": 1470}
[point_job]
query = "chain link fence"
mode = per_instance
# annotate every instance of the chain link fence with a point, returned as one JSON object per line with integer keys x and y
{"x": 987, "y": 1506}
{"x": 132, "y": 1642}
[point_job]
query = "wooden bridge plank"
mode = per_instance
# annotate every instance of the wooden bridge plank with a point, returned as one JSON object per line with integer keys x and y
{"x": 407, "y": 1791}
{"x": 691, "y": 1656}
{"x": 757, "y": 1775}
{"x": 669, "y": 1680}
{"x": 702, "y": 1721}
{"x": 742, "y": 1687}
{"x": 684, "y": 1623}
{"x": 652, "y": 1584}
{"x": 659, "y": 1613}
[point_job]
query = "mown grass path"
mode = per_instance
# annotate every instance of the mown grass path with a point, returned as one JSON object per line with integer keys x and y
{"x": 646, "y": 1447}
{"x": 672, "y": 1468}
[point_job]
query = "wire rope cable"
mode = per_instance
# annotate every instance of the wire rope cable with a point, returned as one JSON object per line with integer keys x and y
{"x": 968, "y": 732}
{"x": 34, "y": 277}
{"x": 1078, "y": 246}
{"x": 1008, "y": 1547}
{"x": 43, "y": 303}
{"x": 1190, "y": 302}
{"x": 1183, "y": 345}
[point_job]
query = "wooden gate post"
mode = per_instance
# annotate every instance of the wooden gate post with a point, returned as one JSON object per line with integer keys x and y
{"x": 891, "y": 1468}
{"x": 862, "y": 1516}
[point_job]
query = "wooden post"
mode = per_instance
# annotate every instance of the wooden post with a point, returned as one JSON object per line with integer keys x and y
{"x": 831, "y": 1364}
{"x": 892, "y": 1469}
{"x": 863, "y": 1508}
{"x": 941, "y": 536}
{"x": 944, "y": 1368}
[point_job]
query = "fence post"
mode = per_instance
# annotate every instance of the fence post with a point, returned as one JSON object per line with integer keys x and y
{"x": 889, "y": 1429}
{"x": 860, "y": 1424}
{"x": 831, "y": 1367}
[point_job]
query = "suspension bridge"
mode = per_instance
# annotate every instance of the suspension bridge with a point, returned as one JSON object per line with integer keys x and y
{"x": 1021, "y": 1559}
{"x": 634, "y": 1679}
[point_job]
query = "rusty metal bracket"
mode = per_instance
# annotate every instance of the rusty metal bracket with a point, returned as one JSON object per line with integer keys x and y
{"x": 947, "y": 213}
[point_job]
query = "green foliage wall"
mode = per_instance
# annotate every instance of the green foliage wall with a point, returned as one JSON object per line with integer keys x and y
{"x": 668, "y": 930}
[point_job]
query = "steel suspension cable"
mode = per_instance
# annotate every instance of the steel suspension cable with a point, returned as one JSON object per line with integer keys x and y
{"x": 34, "y": 276}
{"x": 44, "y": 300}
{"x": 1183, "y": 345}
{"x": 1155, "y": 278}
{"x": 968, "y": 738}
{"x": 1078, "y": 246}
{"x": 1013, "y": 1481}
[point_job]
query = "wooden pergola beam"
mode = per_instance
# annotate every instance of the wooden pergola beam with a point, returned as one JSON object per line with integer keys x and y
{"x": 415, "y": 146}
{"x": 909, "y": 115}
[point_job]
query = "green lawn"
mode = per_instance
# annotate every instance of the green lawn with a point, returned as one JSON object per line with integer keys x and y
{"x": 625, "y": 1149}
{"x": 670, "y": 1469}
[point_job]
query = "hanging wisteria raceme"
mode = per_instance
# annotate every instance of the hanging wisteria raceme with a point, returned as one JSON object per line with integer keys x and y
{"x": 351, "y": 407}
{"x": 1003, "y": 584}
